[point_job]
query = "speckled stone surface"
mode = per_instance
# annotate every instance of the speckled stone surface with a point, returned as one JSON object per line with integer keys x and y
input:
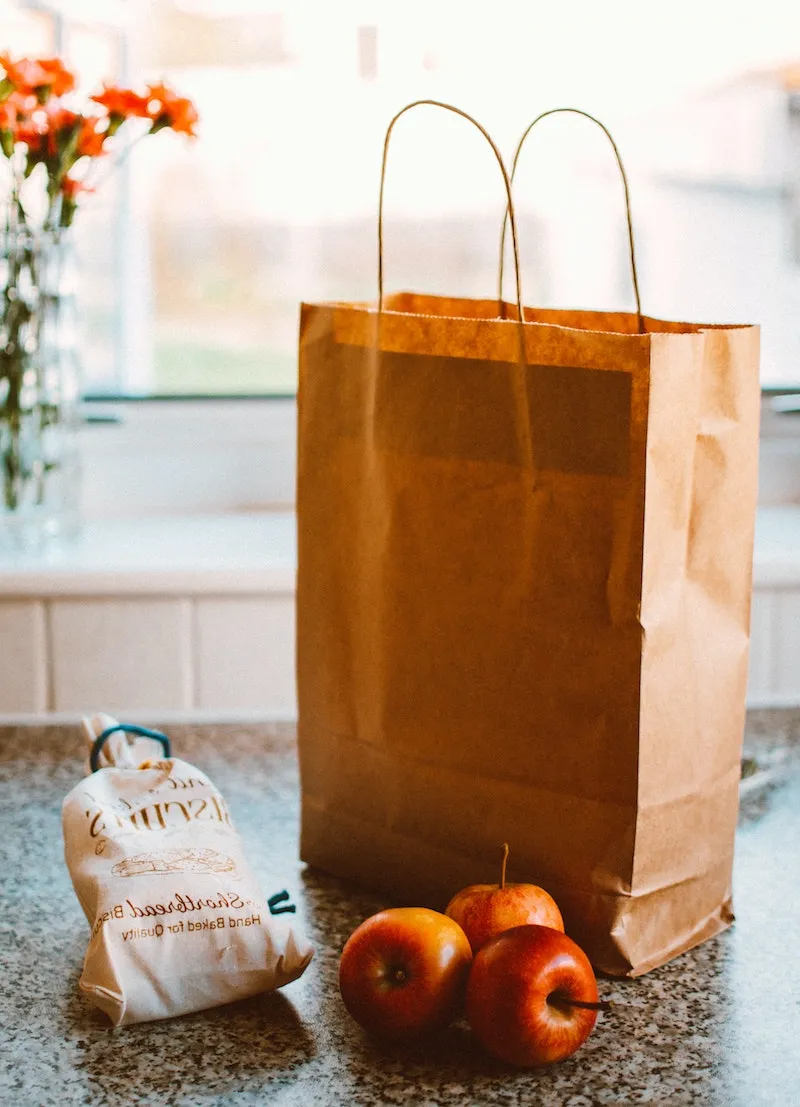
{"x": 719, "y": 1025}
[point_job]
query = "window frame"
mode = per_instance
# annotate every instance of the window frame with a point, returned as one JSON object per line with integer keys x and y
{"x": 132, "y": 443}
{"x": 215, "y": 455}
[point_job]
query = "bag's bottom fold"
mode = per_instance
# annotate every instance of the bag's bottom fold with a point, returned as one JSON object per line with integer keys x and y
{"x": 623, "y": 934}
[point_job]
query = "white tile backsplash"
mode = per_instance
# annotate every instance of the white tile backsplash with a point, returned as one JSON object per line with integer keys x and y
{"x": 23, "y": 668}
{"x": 213, "y": 655}
{"x": 786, "y": 644}
{"x": 223, "y": 656}
{"x": 195, "y": 617}
{"x": 119, "y": 654}
{"x": 760, "y": 678}
{"x": 244, "y": 650}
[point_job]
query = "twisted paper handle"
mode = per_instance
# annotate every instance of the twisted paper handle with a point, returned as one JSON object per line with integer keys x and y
{"x": 509, "y": 213}
{"x": 631, "y": 246}
{"x": 520, "y": 378}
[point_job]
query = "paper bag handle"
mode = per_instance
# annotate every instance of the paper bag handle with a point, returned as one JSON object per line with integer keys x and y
{"x": 520, "y": 384}
{"x": 632, "y": 249}
{"x": 509, "y": 216}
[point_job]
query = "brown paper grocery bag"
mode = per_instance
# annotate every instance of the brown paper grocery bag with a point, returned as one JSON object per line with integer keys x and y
{"x": 523, "y": 607}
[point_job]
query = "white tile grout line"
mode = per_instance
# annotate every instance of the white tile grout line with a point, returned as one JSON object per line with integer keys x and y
{"x": 48, "y": 659}
{"x": 41, "y": 675}
{"x": 193, "y": 675}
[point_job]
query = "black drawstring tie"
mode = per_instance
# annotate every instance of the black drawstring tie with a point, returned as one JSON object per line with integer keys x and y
{"x": 280, "y": 897}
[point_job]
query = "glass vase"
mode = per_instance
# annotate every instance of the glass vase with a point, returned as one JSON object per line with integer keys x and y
{"x": 39, "y": 389}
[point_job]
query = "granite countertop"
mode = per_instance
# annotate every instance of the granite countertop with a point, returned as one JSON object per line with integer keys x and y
{"x": 719, "y": 1025}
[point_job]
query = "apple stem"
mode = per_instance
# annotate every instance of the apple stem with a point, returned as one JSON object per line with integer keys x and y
{"x": 503, "y": 864}
{"x": 586, "y": 1005}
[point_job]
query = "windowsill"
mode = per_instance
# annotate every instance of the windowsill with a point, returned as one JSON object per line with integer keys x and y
{"x": 254, "y": 553}
{"x": 228, "y": 554}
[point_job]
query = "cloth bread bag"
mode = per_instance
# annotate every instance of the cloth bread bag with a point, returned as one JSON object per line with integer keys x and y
{"x": 177, "y": 920}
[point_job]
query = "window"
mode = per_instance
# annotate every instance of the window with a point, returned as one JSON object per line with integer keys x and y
{"x": 195, "y": 255}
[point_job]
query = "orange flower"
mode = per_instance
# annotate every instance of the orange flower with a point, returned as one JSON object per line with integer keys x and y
{"x": 60, "y": 80}
{"x": 25, "y": 74}
{"x": 42, "y": 76}
{"x": 33, "y": 138}
{"x": 33, "y": 117}
{"x": 59, "y": 118}
{"x": 122, "y": 102}
{"x": 167, "y": 109}
{"x": 9, "y": 116}
{"x": 90, "y": 140}
{"x": 32, "y": 125}
{"x": 24, "y": 102}
{"x": 15, "y": 112}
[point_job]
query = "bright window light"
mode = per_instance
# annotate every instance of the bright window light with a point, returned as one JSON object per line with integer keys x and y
{"x": 196, "y": 255}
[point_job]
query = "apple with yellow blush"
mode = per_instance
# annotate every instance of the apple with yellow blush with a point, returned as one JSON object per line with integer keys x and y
{"x": 484, "y": 910}
{"x": 403, "y": 972}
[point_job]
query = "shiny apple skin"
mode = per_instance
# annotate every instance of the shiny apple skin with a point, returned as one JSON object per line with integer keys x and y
{"x": 508, "y": 1006}
{"x": 484, "y": 910}
{"x": 402, "y": 972}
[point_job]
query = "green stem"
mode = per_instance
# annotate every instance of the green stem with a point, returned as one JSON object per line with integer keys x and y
{"x": 21, "y": 318}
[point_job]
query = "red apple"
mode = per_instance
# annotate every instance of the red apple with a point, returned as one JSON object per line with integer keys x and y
{"x": 532, "y": 996}
{"x": 402, "y": 972}
{"x": 483, "y": 910}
